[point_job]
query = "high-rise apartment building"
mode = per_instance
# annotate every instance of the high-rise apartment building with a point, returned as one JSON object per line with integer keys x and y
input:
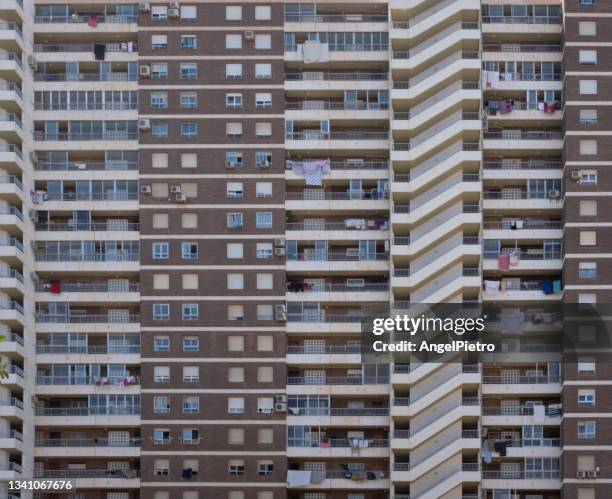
{"x": 201, "y": 201}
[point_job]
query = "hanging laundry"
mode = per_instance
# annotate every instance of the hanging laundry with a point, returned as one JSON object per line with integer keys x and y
{"x": 557, "y": 286}
{"x": 549, "y": 107}
{"x": 547, "y": 287}
{"x": 55, "y": 287}
{"x": 312, "y": 51}
{"x": 512, "y": 321}
{"x": 317, "y": 477}
{"x": 514, "y": 256}
{"x": 491, "y": 287}
{"x": 503, "y": 262}
{"x": 298, "y": 478}
{"x": 92, "y": 22}
{"x": 538, "y": 414}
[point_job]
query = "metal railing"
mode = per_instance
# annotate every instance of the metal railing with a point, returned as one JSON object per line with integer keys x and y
{"x": 12, "y": 274}
{"x": 339, "y": 76}
{"x": 314, "y": 135}
{"x": 520, "y": 47}
{"x": 519, "y": 411}
{"x": 119, "y": 474}
{"x": 523, "y": 135}
{"x": 76, "y": 165}
{"x": 92, "y": 196}
{"x": 87, "y": 411}
{"x": 88, "y": 349}
{"x": 515, "y": 194}
{"x": 89, "y": 287}
{"x": 127, "y": 256}
{"x": 338, "y": 380}
{"x": 521, "y": 164}
{"x": 320, "y": 317}
{"x": 42, "y": 135}
{"x": 81, "y": 18}
{"x": 332, "y": 226}
{"x": 12, "y": 56}
{"x": 90, "y": 106}
{"x": 80, "y": 47}
{"x": 11, "y": 210}
{"x": 526, "y": 224}
{"x": 11, "y": 179}
{"x": 87, "y": 442}
{"x": 11, "y": 305}
{"x": 336, "y": 105}
{"x": 524, "y": 255}
{"x": 335, "y": 18}
{"x": 82, "y": 380}
{"x": 92, "y": 226}
{"x": 520, "y": 380}
{"x": 12, "y": 402}
{"x": 325, "y": 349}
{"x": 339, "y": 196}
{"x": 343, "y": 288}
{"x": 521, "y": 19}
{"x": 326, "y": 256}
{"x": 85, "y": 77}
{"x": 338, "y": 442}
{"x": 338, "y": 411}
{"x": 348, "y": 47}
{"x": 521, "y": 475}
{"x": 86, "y": 318}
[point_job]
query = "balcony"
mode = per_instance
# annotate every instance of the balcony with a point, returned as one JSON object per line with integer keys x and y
{"x": 93, "y": 226}
{"x": 509, "y": 47}
{"x": 87, "y": 287}
{"x": 525, "y": 260}
{"x": 41, "y": 256}
{"x": 311, "y": 259}
{"x": 77, "y": 136}
{"x": 511, "y": 198}
{"x": 350, "y": 140}
{"x": 85, "y": 166}
{"x": 43, "y": 318}
{"x": 87, "y": 442}
{"x": 343, "y": 479}
{"x": 519, "y": 290}
{"x": 338, "y": 448}
{"x": 83, "y": 47}
{"x": 76, "y": 18}
{"x": 88, "y": 349}
{"x": 87, "y": 380}
{"x": 335, "y": 18}
{"x": 87, "y": 411}
{"x": 82, "y": 77}
{"x": 521, "y": 20}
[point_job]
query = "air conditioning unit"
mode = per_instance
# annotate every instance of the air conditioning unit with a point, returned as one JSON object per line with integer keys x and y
{"x": 31, "y": 62}
{"x": 554, "y": 194}
{"x": 280, "y": 312}
{"x": 175, "y": 189}
{"x": 249, "y": 35}
{"x": 144, "y": 124}
{"x": 180, "y": 198}
{"x": 174, "y": 13}
{"x": 32, "y": 215}
{"x": 281, "y": 398}
{"x": 591, "y": 474}
{"x": 145, "y": 189}
{"x": 33, "y": 157}
{"x": 230, "y": 164}
{"x": 581, "y": 474}
{"x": 145, "y": 70}
{"x": 144, "y": 7}
{"x": 263, "y": 164}
{"x": 280, "y": 407}
{"x": 34, "y": 277}
{"x": 279, "y": 251}
{"x": 279, "y": 242}
{"x": 575, "y": 175}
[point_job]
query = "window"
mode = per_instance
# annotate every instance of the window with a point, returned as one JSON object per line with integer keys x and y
{"x": 161, "y": 281}
{"x": 263, "y": 220}
{"x": 264, "y": 312}
{"x": 159, "y": 129}
{"x": 265, "y": 281}
{"x": 161, "y": 311}
{"x": 161, "y": 344}
{"x": 265, "y": 343}
{"x": 159, "y": 160}
{"x": 265, "y": 436}
{"x": 159, "y": 12}
{"x": 159, "y": 71}
{"x": 234, "y": 220}
{"x": 263, "y": 100}
{"x": 191, "y": 405}
{"x": 191, "y": 374}
{"x": 188, "y": 12}
{"x": 588, "y": 177}
{"x": 189, "y": 71}
{"x": 263, "y": 41}
{"x": 233, "y": 129}
{"x": 586, "y": 463}
{"x": 587, "y": 28}
{"x": 189, "y": 130}
{"x": 263, "y": 71}
{"x": 235, "y": 494}
{"x": 586, "y": 398}
{"x": 159, "y": 190}
{"x": 587, "y": 56}
{"x": 233, "y": 41}
{"x": 587, "y": 270}
{"x": 236, "y": 467}
{"x": 586, "y": 2}
{"x": 235, "y": 281}
{"x": 189, "y": 220}
{"x": 161, "y": 467}
{"x": 190, "y": 436}
{"x": 190, "y": 189}
{"x": 233, "y": 13}
{"x": 234, "y": 250}
{"x": 587, "y": 208}
{"x": 265, "y": 468}
{"x": 160, "y": 251}
{"x": 159, "y": 42}
{"x": 159, "y": 100}
{"x": 161, "y": 437}
{"x": 588, "y": 116}
{"x": 588, "y": 238}
{"x": 234, "y": 190}
{"x": 235, "y": 343}
{"x": 588, "y": 87}
{"x": 233, "y": 159}
{"x": 588, "y": 147}
{"x": 191, "y": 344}
{"x": 263, "y": 189}
{"x": 263, "y": 129}
{"x": 189, "y": 250}
{"x": 235, "y": 312}
{"x": 160, "y": 220}
{"x": 265, "y": 405}
{"x": 586, "y": 430}
{"x": 235, "y": 405}
{"x": 587, "y": 298}
{"x": 235, "y": 436}
{"x": 189, "y": 100}
{"x": 586, "y": 365}
{"x": 264, "y": 251}
{"x": 265, "y": 374}
{"x": 189, "y": 42}
{"x": 233, "y": 71}
{"x": 161, "y": 374}
{"x": 189, "y": 160}
{"x": 190, "y": 281}
{"x": 161, "y": 404}
{"x": 263, "y": 13}
{"x": 233, "y": 101}
{"x": 190, "y": 311}
{"x": 263, "y": 159}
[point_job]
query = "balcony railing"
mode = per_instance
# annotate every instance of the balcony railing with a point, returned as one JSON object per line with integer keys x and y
{"x": 87, "y": 380}
{"x": 17, "y": 435}
{"x": 348, "y": 47}
{"x": 90, "y": 106}
{"x": 521, "y": 475}
{"x": 338, "y": 380}
{"x": 520, "y": 380}
{"x": 519, "y": 411}
{"x": 335, "y": 18}
{"x": 88, "y": 287}
{"x": 314, "y": 135}
{"x": 326, "y": 256}
{"x": 87, "y": 257}
{"x": 119, "y": 474}
{"x": 526, "y": 224}
{"x": 80, "y": 18}
{"x": 80, "y": 47}
{"x": 85, "y": 77}
{"x": 11, "y": 27}
{"x": 13, "y": 402}
{"x": 340, "y": 76}
{"x": 18, "y": 371}
{"x": 338, "y": 288}
{"x": 11, "y": 179}
{"x": 11, "y": 305}
{"x": 333, "y": 105}
{"x": 337, "y": 196}
{"x": 12, "y": 56}
{"x": 92, "y": 196}
{"x": 325, "y": 349}
{"x": 16, "y": 467}
{"x": 88, "y": 442}
{"x": 76, "y": 165}
{"x": 336, "y": 226}
{"x": 92, "y": 226}
{"x": 515, "y": 194}
{"x": 338, "y": 442}
{"x": 529, "y": 77}
{"x": 521, "y": 19}
{"x": 520, "y": 47}
{"x": 11, "y": 210}
{"x": 12, "y": 274}
{"x": 338, "y": 411}
{"x": 87, "y": 318}
{"x": 308, "y": 317}
{"x": 87, "y": 411}
{"x": 42, "y": 135}
{"x": 524, "y": 255}
{"x": 521, "y": 164}
{"x": 523, "y": 135}
{"x": 88, "y": 349}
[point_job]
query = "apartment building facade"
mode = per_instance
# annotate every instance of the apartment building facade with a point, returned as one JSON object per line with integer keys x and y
{"x": 202, "y": 201}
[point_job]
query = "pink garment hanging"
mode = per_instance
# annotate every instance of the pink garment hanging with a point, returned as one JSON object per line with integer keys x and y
{"x": 504, "y": 262}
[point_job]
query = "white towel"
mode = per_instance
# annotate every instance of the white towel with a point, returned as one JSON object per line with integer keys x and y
{"x": 312, "y": 51}
{"x": 538, "y": 413}
{"x": 298, "y": 478}
{"x": 491, "y": 287}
